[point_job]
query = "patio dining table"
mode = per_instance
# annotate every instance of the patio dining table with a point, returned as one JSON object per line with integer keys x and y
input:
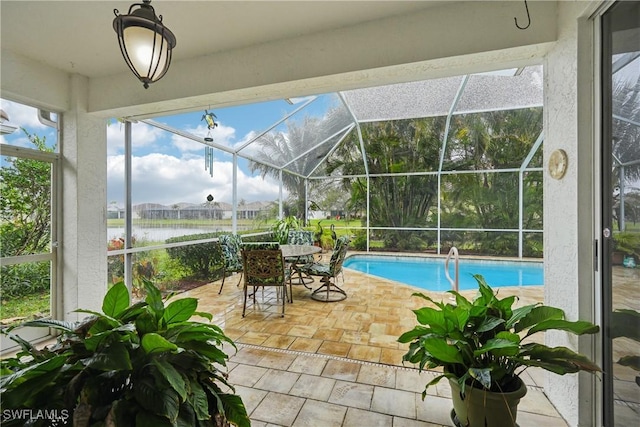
{"x": 297, "y": 251}
{"x": 292, "y": 255}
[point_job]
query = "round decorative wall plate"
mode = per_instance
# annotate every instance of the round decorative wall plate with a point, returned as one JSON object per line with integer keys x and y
{"x": 558, "y": 163}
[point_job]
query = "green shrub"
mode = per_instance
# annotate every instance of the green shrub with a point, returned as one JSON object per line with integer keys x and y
{"x": 359, "y": 242}
{"x": 24, "y": 279}
{"x": 202, "y": 259}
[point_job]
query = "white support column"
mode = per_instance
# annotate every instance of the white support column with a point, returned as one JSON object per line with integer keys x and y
{"x": 234, "y": 196}
{"x": 568, "y": 203}
{"x": 84, "y": 171}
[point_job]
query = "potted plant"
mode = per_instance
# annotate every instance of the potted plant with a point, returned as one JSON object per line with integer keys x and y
{"x": 131, "y": 365}
{"x": 483, "y": 346}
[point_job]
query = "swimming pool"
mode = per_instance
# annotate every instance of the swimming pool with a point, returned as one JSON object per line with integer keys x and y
{"x": 428, "y": 273}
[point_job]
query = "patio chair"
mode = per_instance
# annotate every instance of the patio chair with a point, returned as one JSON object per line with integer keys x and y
{"x": 329, "y": 291}
{"x": 264, "y": 266}
{"x": 300, "y": 237}
{"x": 232, "y": 263}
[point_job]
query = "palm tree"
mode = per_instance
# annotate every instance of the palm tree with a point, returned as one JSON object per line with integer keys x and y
{"x": 288, "y": 148}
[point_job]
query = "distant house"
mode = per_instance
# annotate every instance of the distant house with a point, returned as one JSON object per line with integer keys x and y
{"x": 191, "y": 211}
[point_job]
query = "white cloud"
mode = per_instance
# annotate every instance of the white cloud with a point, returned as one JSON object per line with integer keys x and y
{"x": 222, "y": 135}
{"x": 142, "y": 135}
{"x": 22, "y": 115}
{"x": 166, "y": 179}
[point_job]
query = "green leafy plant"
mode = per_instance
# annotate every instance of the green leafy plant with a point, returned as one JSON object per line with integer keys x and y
{"x": 132, "y": 365}
{"x": 628, "y": 243}
{"x": 483, "y": 343}
{"x": 280, "y": 229}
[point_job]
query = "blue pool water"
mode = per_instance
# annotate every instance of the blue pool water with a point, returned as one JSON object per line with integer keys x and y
{"x": 428, "y": 273}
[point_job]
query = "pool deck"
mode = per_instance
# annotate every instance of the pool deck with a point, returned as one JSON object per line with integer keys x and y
{"x": 339, "y": 363}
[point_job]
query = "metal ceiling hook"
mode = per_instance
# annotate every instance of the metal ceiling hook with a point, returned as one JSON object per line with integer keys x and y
{"x": 528, "y": 18}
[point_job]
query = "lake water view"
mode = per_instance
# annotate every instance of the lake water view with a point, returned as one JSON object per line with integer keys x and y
{"x": 160, "y": 234}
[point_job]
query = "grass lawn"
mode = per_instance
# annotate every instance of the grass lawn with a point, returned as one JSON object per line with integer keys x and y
{"x": 25, "y": 308}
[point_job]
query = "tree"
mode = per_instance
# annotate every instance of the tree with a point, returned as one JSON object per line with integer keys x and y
{"x": 25, "y": 220}
{"x": 300, "y": 137}
{"x": 25, "y": 205}
{"x": 487, "y": 142}
{"x": 400, "y": 146}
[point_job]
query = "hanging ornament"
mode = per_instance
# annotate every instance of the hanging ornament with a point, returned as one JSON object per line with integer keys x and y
{"x": 208, "y": 160}
{"x": 209, "y": 118}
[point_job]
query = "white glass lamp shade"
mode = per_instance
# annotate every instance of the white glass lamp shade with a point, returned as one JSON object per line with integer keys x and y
{"x": 145, "y": 42}
{"x": 148, "y": 52}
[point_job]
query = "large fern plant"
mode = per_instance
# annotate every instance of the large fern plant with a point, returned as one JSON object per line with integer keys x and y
{"x": 145, "y": 364}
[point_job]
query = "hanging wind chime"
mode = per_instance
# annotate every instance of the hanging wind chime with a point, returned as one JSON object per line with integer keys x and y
{"x": 209, "y": 118}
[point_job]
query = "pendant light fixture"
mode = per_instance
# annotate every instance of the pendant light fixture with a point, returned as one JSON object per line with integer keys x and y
{"x": 145, "y": 42}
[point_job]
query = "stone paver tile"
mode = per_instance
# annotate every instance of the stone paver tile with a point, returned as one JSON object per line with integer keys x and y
{"x": 396, "y": 329}
{"x": 527, "y": 419}
{"x": 255, "y": 423}
{"x": 392, "y": 356}
{"x": 278, "y": 381}
{"x": 412, "y": 380}
{"x": 406, "y": 422}
{"x": 255, "y": 338}
{"x": 276, "y": 360}
{"x": 246, "y": 375}
{"x": 277, "y": 408}
{"x": 378, "y": 329}
{"x": 377, "y": 375}
{"x": 536, "y": 402}
{"x": 234, "y": 333}
{"x": 434, "y": 409}
{"x": 442, "y": 389}
{"x": 352, "y": 394}
{"x": 332, "y": 348}
{"x": 315, "y": 414}
{"x": 359, "y": 418}
{"x": 390, "y": 341}
{"x": 328, "y": 334}
{"x": 313, "y": 387}
{"x": 327, "y": 322}
{"x": 354, "y": 307}
{"x": 535, "y": 376}
{"x": 394, "y": 402}
{"x": 250, "y": 397}
{"x": 308, "y": 364}
{"x": 364, "y": 352}
{"x": 250, "y": 356}
{"x": 303, "y": 331}
{"x": 278, "y": 341}
{"x": 355, "y": 337}
{"x": 341, "y": 370}
{"x": 362, "y": 317}
{"x": 276, "y": 328}
{"x": 308, "y": 345}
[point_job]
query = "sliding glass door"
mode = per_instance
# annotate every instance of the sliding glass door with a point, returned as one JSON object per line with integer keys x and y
{"x": 621, "y": 213}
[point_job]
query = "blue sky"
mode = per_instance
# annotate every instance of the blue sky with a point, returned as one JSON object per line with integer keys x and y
{"x": 169, "y": 169}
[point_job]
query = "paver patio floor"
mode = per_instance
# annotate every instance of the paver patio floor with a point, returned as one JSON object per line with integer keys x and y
{"x": 339, "y": 364}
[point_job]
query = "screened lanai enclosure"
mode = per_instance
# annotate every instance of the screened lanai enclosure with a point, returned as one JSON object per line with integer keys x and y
{"x": 419, "y": 166}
